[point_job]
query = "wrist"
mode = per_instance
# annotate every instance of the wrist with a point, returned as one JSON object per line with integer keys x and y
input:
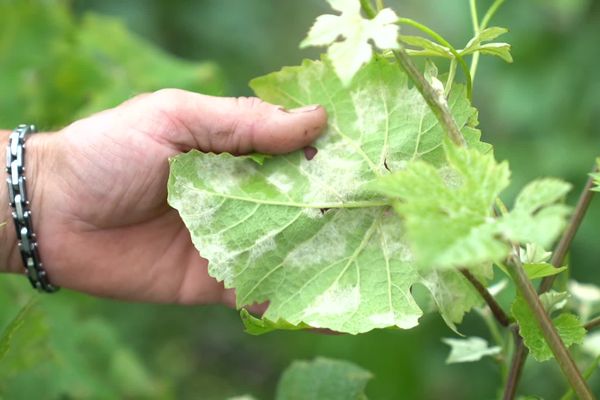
{"x": 36, "y": 157}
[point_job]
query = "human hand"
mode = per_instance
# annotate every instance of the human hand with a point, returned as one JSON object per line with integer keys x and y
{"x": 98, "y": 191}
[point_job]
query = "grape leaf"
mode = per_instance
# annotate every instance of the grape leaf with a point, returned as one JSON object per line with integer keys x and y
{"x": 348, "y": 55}
{"x": 541, "y": 270}
{"x": 448, "y": 211}
{"x": 259, "y": 326}
{"x": 554, "y": 301}
{"x": 469, "y": 349}
{"x": 426, "y": 46}
{"x": 596, "y": 177}
{"x": 568, "y": 326}
{"x": 323, "y": 379}
{"x": 501, "y": 50}
{"x": 308, "y": 235}
{"x": 534, "y": 254}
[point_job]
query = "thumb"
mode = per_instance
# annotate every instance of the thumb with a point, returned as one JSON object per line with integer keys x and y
{"x": 236, "y": 125}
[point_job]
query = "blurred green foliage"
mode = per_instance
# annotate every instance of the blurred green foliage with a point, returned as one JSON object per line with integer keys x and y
{"x": 61, "y": 60}
{"x": 56, "y": 68}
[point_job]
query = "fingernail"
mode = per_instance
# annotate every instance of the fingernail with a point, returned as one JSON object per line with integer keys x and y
{"x": 304, "y": 109}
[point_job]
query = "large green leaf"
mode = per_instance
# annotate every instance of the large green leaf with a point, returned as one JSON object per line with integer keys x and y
{"x": 308, "y": 235}
{"x": 323, "y": 379}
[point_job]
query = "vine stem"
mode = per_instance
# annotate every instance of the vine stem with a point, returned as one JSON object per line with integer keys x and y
{"x": 435, "y": 100}
{"x": 560, "y": 253}
{"x": 367, "y": 7}
{"x": 558, "y": 259}
{"x": 476, "y": 30}
{"x": 478, "y": 27}
{"x": 438, "y": 38}
{"x": 516, "y": 366}
{"x": 592, "y": 324}
{"x": 497, "y": 311}
{"x": 562, "y": 355}
{"x": 439, "y": 106}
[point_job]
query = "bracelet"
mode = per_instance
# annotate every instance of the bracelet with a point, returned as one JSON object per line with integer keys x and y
{"x": 21, "y": 214}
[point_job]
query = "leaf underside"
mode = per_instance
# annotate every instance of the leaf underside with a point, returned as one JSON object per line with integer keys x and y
{"x": 308, "y": 235}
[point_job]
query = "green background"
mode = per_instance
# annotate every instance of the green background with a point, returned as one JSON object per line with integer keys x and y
{"x": 63, "y": 60}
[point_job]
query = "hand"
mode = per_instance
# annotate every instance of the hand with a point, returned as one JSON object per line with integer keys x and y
{"x": 98, "y": 191}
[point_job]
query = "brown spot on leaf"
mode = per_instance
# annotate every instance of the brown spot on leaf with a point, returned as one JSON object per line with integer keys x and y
{"x": 324, "y": 210}
{"x": 310, "y": 152}
{"x": 385, "y": 165}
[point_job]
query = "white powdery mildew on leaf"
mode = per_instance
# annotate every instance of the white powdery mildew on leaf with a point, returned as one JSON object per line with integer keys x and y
{"x": 281, "y": 181}
{"x": 325, "y": 247}
{"x": 333, "y": 177}
{"x": 308, "y": 235}
{"x": 218, "y": 171}
{"x": 334, "y": 301}
{"x": 367, "y": 105}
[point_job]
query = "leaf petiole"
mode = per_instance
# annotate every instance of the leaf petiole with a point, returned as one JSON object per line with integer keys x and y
{"x": 437, "y": 37}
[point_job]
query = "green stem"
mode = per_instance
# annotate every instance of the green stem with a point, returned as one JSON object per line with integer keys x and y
{"x": 451, "y": 75}
{"x": 548, "y": 330}
{"x": 367, "y": 7}
{"x": 476, "y": 30}
{"x": 435, "y": 100}
{"x": 380, "y": 5}
{"x": 484, "y": 23}
{"x": 438, "y": 38}
{"x": 490, "y": 14}
{"x": 474, "y": 15}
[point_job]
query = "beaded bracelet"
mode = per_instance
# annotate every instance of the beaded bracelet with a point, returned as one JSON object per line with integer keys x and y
{"x": 17, "y": 197}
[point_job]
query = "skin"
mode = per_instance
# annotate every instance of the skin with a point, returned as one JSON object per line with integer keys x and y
{"x": 98, "y": 194}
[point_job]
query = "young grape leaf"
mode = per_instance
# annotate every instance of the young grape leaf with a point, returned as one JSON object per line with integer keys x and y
{"x": 448, "y": 211}
{"x": 554, "y": 301}
{"x": 308, "y": 235}
{"x": 323, "y": 379}
{"x": 426, "y": 46}
{"x": 534, "y": 254}
{"x": 541, "y": 270}
{"x": 349, "y": 55}
{"x": 596, "y": 177}
{"x": 501, "y": 50}
{"x": 469, "y": 349}
{"x": 568, "y": 326}
{"x": 258, "y": 326}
